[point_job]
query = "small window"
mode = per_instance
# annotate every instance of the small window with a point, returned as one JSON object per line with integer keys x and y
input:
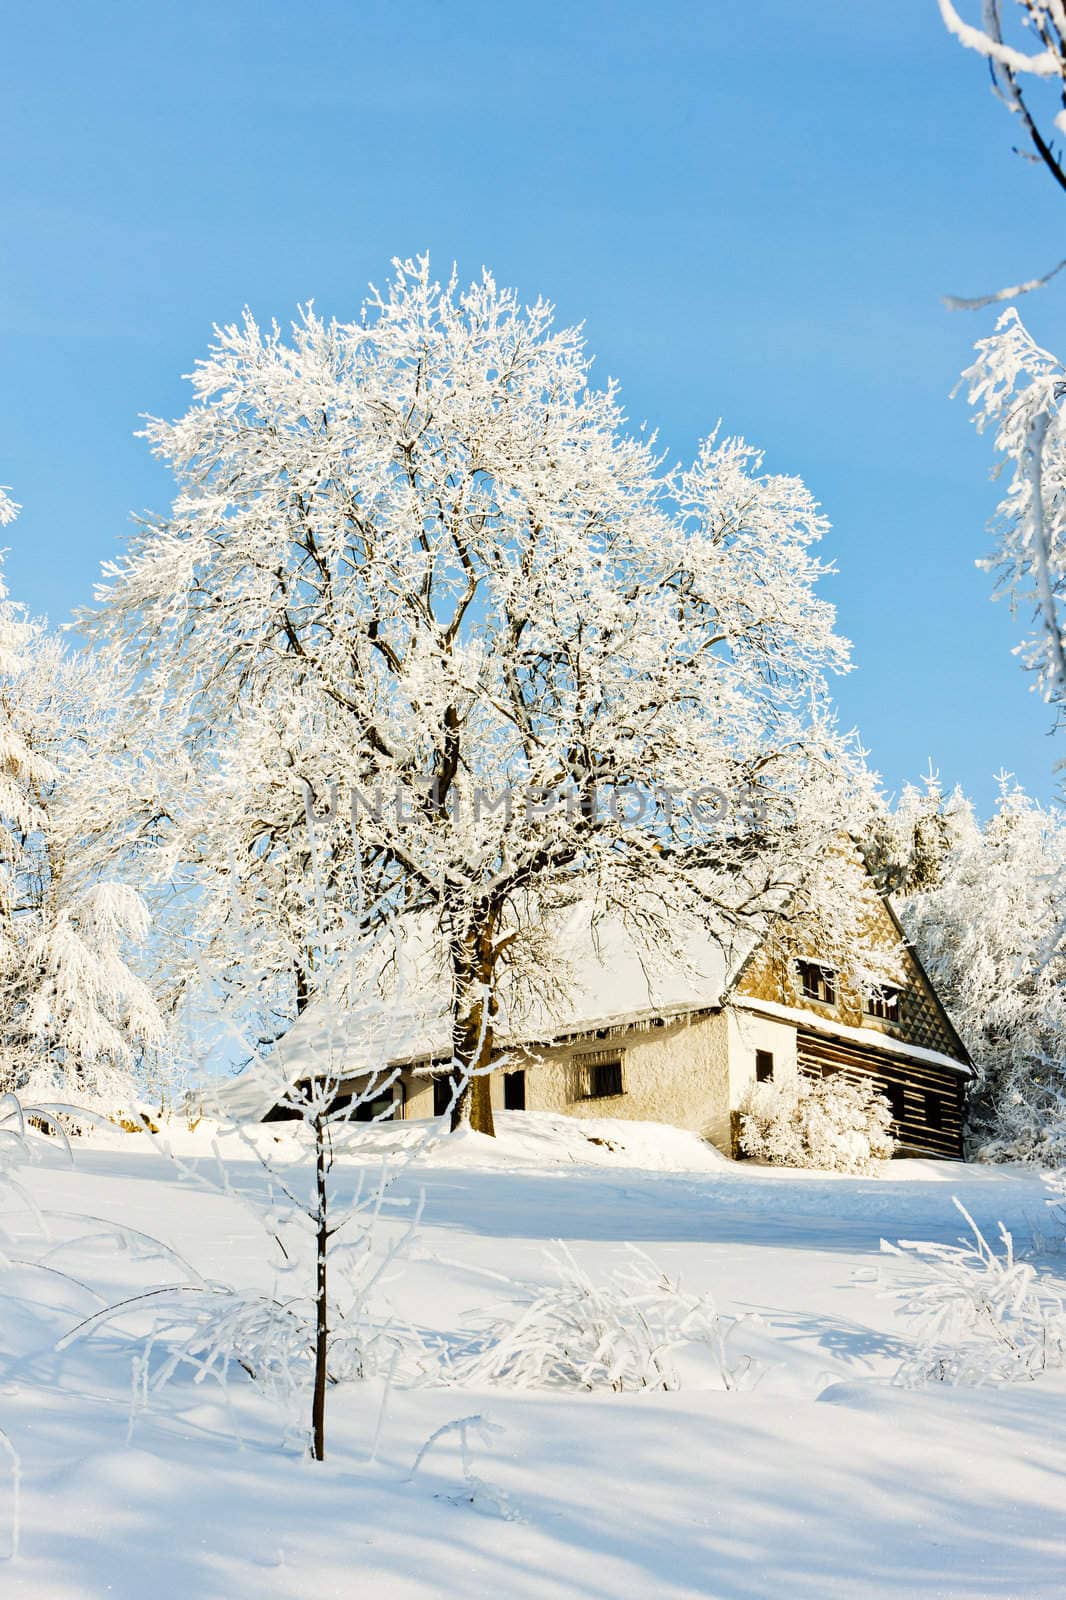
{"x": 514, "y": 1091}
{"x": 897, "y": 1099}
{"x": 934, "y": 1111}
{"x": 379, "y": 1109}
{"x": 817, "y": 982}
{"x": 882, "y": 1002}
{"x": 603, "y": 1078}
{"x": 442, "y": 1094}
{"x": 764, "y": 1066}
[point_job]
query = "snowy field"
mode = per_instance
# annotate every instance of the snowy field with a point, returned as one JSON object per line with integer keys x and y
{"x": 822, "y": 1480}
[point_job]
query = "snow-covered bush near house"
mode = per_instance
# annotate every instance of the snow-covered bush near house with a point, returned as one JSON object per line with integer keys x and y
{"x": 626, "y": 1329}
{"x": 985, "y": 1316}
{"x": 830, "y": 1123}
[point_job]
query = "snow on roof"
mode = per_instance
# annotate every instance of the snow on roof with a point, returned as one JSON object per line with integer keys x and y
{"x": 605, "y": 973}
{"x": 843, "y": 1030}
{"x": 613, "y": 975}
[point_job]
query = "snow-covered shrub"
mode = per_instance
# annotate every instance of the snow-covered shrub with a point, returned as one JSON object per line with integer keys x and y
{"x": 473, "y": 1491}
{"x": 831, "y": 1123}
{"x": 101, "y": 1101}
{"x": 21, "y": 1144}
{"x": 624, "y": 1332}
{"x": 985, "y": 1316}
{"x": 216, "y": 1330}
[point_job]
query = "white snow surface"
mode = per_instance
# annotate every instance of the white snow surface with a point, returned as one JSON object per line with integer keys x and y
{"x": 823, "y": 1481}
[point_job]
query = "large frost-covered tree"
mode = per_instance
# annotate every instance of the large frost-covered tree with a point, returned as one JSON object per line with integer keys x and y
{"x": 419, "y": 562}
{"x": 73, "y": 1014}
{"x": 985, "y": 907}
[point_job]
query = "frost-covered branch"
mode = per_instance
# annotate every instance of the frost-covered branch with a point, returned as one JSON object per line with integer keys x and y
{"x": 1010, "y": 66}
{"x": 624, "y": 1331}
{"x": 1019, "y": 389}
{"x": 984, "y": 1316}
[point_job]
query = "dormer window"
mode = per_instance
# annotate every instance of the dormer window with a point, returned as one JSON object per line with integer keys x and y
{"x": 883, "y": 1002}
{"x": 817, "y": 982}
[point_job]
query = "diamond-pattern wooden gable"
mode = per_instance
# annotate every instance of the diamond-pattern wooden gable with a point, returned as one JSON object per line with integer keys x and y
{"x": 771, "y": 974}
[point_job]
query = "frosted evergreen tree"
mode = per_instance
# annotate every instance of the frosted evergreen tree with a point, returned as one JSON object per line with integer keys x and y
{"x": 986, "y": 918}
{"x": 74, "y": 1017}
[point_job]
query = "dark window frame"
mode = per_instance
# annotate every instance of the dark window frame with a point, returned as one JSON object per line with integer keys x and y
{"x": 885, "y": 1003}
{"x": 764, "y": 1066}
{"x": 896, "y": 1095}
{"x": 602, "y": 1076}
{"x": 443, "y": 1089}
{"x": 817, "y": 982}
{"x": 373, "y": 1110}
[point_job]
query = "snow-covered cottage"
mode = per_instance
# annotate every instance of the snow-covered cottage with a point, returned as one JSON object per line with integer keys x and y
{"x": 628, "y": 1033}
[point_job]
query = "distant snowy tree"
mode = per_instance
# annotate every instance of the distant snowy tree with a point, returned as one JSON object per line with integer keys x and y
{"x": 987, "y": 921}
{"x": 416, "y": 561}
{"x": 73, "y": 1013}
{"x": 910, "y": 843}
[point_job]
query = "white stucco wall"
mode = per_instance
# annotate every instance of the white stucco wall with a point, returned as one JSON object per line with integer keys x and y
{"x": 419, "y": 1097}
{"x": 747, "y": 1033}
{"x": 678, "y": 1073}
{"x": 689, "y": 1073}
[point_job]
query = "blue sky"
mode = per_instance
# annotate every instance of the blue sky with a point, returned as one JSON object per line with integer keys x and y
{"x": 754, "y": 208}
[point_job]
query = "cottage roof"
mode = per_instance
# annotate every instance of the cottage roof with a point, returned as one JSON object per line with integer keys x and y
{"x": 393, "y": 1007}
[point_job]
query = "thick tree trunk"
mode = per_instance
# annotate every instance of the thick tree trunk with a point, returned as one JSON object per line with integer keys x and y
{"x": 318, "y": 1405}
{"x": 472, "y": 1037}
{"x": 481, "y": 1119}
{"x": 473, "y": 1105}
